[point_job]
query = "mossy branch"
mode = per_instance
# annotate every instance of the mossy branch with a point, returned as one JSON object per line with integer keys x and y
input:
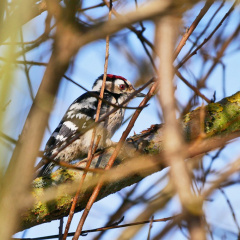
{"x": 53, "y": 195}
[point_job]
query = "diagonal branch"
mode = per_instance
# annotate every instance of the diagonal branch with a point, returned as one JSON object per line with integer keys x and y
{"x": 221, "y": 125}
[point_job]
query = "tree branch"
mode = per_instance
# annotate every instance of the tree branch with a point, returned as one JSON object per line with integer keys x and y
{"x": 53, "y": 195}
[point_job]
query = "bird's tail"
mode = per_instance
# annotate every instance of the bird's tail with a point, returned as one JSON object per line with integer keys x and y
{"x": 45, "y": 170}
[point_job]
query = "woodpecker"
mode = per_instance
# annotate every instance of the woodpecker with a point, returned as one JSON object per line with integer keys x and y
{"x": 80, "y": 118}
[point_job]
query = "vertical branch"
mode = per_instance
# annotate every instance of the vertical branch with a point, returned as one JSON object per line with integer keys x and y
{"x": 60, "y": 230}
{"x": 91, "y": 150}
{"x": 150, "y": 227}
{"x": 19, "y": 174}
{"x": 174, "y": 147}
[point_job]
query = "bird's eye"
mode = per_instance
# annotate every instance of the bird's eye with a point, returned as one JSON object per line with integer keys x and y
{"x": 122, "y": 86}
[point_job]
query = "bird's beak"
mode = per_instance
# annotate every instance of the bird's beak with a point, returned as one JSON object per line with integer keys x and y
{"x": 140, "y": 95}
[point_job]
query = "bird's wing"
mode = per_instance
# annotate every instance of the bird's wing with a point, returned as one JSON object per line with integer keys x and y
{"x": 77, "y": 119}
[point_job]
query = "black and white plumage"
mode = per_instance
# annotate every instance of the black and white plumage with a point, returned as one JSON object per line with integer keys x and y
{"x": 80, "y": 117}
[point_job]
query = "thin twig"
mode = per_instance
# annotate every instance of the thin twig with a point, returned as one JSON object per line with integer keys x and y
{"x": 196, "y": 90}
{"x": 60, "y": 229}
{"x": 231, "y": 209}
{"x": 104, "y": 228}
{"x": 26, "y": 68}
{"x": 207, "y": 171}
{"x": 176, "y": 221}
{"x": 140, "y": 36}
{"x": 128, "y": 99}
{"x": 185, "y": 37}
{"x": 26, "y": 62}
{"x": 71, "y": 166}
{"x": 150, "y": 227}
{"x": 8, "y": 138}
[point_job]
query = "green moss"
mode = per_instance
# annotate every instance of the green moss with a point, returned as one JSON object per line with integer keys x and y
{"x": 152, "y": 148}
{"x": 187, "y": 117}
{"x": 234, "y": 98}
{"x": 223, "y": 117}
{"x": 214, "y": 107}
